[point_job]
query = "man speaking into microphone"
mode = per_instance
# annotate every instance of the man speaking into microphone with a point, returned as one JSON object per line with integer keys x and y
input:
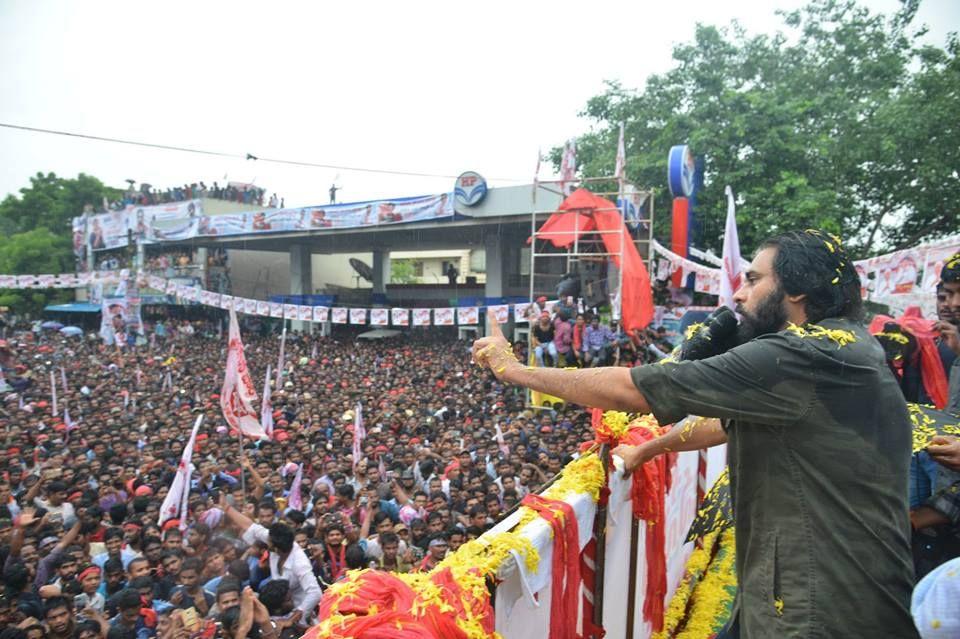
{"x": 818, "y": 434}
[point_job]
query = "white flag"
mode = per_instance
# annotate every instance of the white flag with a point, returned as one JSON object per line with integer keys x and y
{"x": 296, "y": 498}
{"x": 501, "y": 443}
{"x": 237, "y": 395}
{"x": 568, "y": 167}
{"x": 53, "y": 391}
{"x": 266, "y": 409}
{"x": 621, "y": 167}
{"x": 283, "y": 345}
{"x": 359, "y": 433}
{"x": 176, "y": 500}
{"x": 730, "y": 269}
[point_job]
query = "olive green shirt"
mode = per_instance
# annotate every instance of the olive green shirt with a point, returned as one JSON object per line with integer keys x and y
{"x": 819, "y": 444}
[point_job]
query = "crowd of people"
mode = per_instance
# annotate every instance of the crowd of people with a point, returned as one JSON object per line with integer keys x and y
{"x": 86, "y": 551}
{"x": 147, "y": 195}
{"x": 565, "y": 336}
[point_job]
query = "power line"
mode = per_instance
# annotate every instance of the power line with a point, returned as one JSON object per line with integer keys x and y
{"x": 247, "y": 156}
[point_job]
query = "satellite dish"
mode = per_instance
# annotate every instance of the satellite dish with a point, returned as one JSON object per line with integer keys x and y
{"x": 362, "y": 268}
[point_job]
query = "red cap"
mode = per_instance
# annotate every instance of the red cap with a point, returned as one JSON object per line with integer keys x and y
{"x": 170, "y": 523}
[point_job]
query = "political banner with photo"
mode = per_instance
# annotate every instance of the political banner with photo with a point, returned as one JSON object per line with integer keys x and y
{"x": 933, "y": 264}
{"x": 358, "y": 316}
{"x": 143, "y": 224}
{"x": 305, "y": 313}
{"x": 400, "y": 316}
{"x": 227, "y": 302}
{"x": 468, "y": 315}
{"x": 520, "y": 312}
{"x": 421, "y": 317}
{"x": 320, "y": 313}
{"x": 443, "y": 316}
{"x": 263, "y": 309}
{"x": 379, "y": 317}
{"x": 502, "y": 312}
{"x": 338, "y": 315}
{"x": 290, "y": 311}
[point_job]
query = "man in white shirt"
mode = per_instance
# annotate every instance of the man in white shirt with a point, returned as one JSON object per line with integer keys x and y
{"x": 287, "y": 559}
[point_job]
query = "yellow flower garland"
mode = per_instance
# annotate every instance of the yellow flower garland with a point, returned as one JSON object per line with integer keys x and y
{"x": 815, "y": 331}
{"x": 707, "y": 591}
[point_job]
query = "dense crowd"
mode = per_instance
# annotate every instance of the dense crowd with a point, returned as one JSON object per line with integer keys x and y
{"x": 147, "y": 195}
{"x": 86, "y": 552}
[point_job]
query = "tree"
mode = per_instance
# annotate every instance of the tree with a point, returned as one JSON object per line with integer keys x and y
{"x": 401, "y": 272}
{"x": 36, "y": 234}
{"x": 36, "y": 251}
{"x": 822, "y": 126}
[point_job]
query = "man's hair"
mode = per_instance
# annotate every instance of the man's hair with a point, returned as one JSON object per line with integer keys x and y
{"x": 113, "y": 565}
{"x": 141, "y": 582}
{"x": 388, "y": 538}
{"x": 229, "y": 584}
{"x": 53, "y": 603}
{"x": 127, "y": 598}
{"x": 239, "y": 569}
{"x": 272, "y": 595}
{"x": 268, "y": 504}
{"x": 355, "y": 557}
{"x": 137, "y": 560}
{"x": 815, "y": 264}
{"x": 15, "y": 577}
{"x": 191, "y": 563}
{"x": 282, "y": 537}
{"x": 112, "y": 533}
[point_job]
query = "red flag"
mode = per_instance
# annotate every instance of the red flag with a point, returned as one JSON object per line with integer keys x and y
{"x": 237, "y": 395}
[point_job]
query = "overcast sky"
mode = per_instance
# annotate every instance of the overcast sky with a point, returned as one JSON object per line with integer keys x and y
{"x": 432, "y": 87}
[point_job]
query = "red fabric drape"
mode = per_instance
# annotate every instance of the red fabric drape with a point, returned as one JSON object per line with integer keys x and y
{"x": 931, "y": 368}
{"x": 566, "y": 563}
{"x": 594, "y": 212}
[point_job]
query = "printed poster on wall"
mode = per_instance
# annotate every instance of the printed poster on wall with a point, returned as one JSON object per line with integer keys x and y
{"x": 520, "y": 311}
{"x": 443, "y": 316}
{"x": 276, "y": 310}
{"x": 933, "y": 264}
{"x": 358, "y": 316}
{"x": 421, "y": 317}
{"x": 400, "y": 316}
{"x": 468, "y": 315}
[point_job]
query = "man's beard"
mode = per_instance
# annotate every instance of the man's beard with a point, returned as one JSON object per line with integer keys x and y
{"x": 769, "y": 317}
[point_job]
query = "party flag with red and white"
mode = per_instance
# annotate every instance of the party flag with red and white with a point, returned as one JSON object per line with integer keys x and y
{"x": 266, "y": 407}
{"x": 296, "y": 498}
{"x": 621, "y": 168}
{"x": 237, "y": 394}
{"x": 359, "y": 433}
{"x": 730, "y": 269}
{"x": 176, "y": 500}
{"x": 501, "y": 442}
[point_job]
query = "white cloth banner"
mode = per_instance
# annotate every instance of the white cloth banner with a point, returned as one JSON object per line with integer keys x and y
{"x": 320, "y": 313}
{"x": 276, "y": 310}
{"x": 339, "y": 315}
{"x": 400, "y": 316}
{"x": 421, "y": 317}
{"x": 175, "y": 501}
{"x": 238, "y": 394}
{"x": 358, "y": 316}
{"x": 443, "y": 316}
{"x": 502, "y": 312}
{"x": 468, "y": 315}
{"x": 379, "y": 317}
{"x": 305, "y": 313}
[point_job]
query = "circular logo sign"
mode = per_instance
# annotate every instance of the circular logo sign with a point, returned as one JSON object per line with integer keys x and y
{"x": 681, "y": 171}
{"x": 470, "y": 189}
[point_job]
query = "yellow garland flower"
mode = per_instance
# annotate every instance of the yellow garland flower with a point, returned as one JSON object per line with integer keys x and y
{"x": 694, "y": 329}
{"x": 815, "y": 331}
{"x": 614, "y": 425}
{"x": 899, "y": 338}
{"x": 696, "y": 566}
{"x": 713, "y": 596}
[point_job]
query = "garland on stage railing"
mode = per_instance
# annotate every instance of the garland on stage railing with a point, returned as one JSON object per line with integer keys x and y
{"x": 702, "y": 602}
{"x": 453, "y": 599}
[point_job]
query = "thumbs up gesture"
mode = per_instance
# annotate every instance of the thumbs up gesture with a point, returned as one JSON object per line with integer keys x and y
{"x": 494, "y": 351}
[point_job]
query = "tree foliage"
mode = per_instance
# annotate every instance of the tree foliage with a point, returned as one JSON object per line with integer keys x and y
{"x": 36, "y": 235}
{"x": 827, "y": 124}
{"x": 401, "y": 272}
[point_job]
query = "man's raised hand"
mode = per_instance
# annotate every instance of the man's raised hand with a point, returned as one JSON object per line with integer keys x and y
{"x": 494, "y": 351}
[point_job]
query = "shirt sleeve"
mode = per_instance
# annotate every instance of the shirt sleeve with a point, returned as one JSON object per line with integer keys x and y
{"x": 255, "y": 533}
{"x": 766, "y": 380}
{"x": 311, "y": 590}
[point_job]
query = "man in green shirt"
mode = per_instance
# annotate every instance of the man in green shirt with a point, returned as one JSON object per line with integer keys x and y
{"x": 818, "y": 437}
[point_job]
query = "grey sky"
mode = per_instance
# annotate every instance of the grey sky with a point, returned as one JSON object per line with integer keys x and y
{"x": 434, "y": 87}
